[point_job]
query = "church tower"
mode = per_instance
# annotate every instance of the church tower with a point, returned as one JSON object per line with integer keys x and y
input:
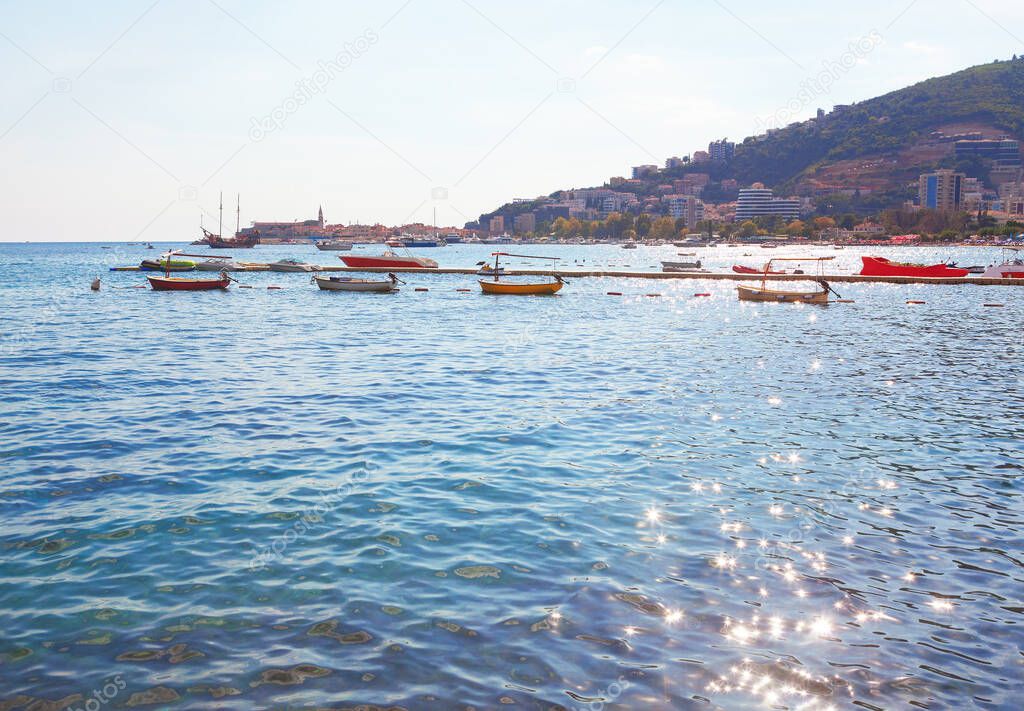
{"x": 320, "y": 217}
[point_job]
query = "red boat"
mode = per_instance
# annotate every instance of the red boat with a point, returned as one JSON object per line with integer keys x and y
{"x": 388, "y": 260}
{"x": 880, "y": 266}
{"x": 166, "y": 283}
{"x": 748, "y": 270}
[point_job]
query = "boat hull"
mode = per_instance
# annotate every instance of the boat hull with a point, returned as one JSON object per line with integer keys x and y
{"x": 739, "y": 269}
{"x": 1005, "y": 271}
{"x": 176, "y": 265}
{"x": 497, "y": 287}
{"x": 749, "y": 293}
{"x": 334, "y": 246}
{"x": 882, "y": 267}
{"x": 183, "y": 284}
{"x": 388, "y": 262}
{"x": 364, "y": 285}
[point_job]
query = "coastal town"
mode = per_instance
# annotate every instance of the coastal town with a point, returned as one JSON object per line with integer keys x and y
{"x": 684, "y": 200}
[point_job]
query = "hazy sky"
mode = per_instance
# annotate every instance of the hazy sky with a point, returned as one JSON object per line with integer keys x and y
{"x": 123, "y": 120}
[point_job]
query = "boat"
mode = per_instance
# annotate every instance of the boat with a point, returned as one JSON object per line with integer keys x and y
{"x": 333, "y": 246}
{"x": 165, "y": 264}
{"x": 739, "y": 269}
{"x": 214, "y": 263}
{"x": 488, "y": 270}
{"x": 336, "y": 283}
{"x": 880, "y": 266}
{"x": 169, "y": 283}
{"x": 535, "y": 289}
{"x": 1011, "y": 268}
{"x": 389, "y": 260}
{"x": 763, "y": 294}
{"x": 291, "y": 265}
{"x": 681, "y": 266}
{"x": 629, "y": 245}
{"x": 247, "y": 240}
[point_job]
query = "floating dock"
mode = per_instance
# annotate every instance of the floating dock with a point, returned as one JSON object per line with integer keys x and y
{"x": 618, "y": 274}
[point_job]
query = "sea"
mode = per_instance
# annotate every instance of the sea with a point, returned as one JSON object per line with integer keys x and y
{"x": 438, "y": 499}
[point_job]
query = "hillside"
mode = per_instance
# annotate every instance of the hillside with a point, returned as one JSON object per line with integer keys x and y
{"x": 990, "y": 95}
{"x": 867, "y": 156}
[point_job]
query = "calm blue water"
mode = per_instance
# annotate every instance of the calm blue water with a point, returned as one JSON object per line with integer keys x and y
{"x": 443, "y": 500}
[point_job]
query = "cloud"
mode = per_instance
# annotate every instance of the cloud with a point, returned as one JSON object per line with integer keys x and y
{"x": 920, "y": 47}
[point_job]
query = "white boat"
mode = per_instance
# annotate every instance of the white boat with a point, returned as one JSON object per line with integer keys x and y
{"x": 219, "y": 265}
{"x": 1011, "y": 268}
{"x": 291, "y": 265}
{"x": 336, "y": 283}
{"x": 334, "y": 246}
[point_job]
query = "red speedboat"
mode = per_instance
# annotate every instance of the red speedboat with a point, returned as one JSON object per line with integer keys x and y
{"x": 388, "y": 260}
{"x": 880, "y": 266}
{"x": 166, "y": 283}
{"x": 739, "y": 269}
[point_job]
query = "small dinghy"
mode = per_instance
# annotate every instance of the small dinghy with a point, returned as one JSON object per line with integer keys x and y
{"x": 350, "y": 284}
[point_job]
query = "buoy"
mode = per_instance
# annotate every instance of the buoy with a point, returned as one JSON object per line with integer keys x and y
{"x": 916, "y": 302}
{"x": 997, "y": 306}
{"x": 614, "y": 293}
{"x": 845, "y": 301}
{"x": 702, "y": 294}
{"x": 422, "y": 288}
{"x": 95, "y": 286}
{"x": 464, "y": 290}
{"x": 273, "y": 287}
{"x": 652, "y": 295}
{"x": 245, "y": 286}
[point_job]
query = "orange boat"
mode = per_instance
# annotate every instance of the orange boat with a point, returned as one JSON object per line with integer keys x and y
{"x": 500, "y": 287}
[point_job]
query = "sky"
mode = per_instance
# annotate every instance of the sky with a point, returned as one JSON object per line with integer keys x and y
{"x": 124, "y": 121}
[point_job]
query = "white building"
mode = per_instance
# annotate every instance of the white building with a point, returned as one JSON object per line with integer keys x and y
{"x": 761, "y": 202}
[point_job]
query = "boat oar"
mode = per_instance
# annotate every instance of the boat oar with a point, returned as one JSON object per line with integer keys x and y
{"x": 560, "y": 280}
{"x": 828, "y": 288}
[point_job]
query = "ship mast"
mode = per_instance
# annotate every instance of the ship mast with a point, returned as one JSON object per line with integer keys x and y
{"x": 238, "y": 215}
{"x": 220, "y": 219}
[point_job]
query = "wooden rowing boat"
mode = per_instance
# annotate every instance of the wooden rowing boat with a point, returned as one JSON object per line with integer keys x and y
{"x": 750, "y": 293}
{"x": 504, "y": 287}
{"x": 166, "y": 283}
{"x": 763, "y": 294}
{"x": 349, "y": 284}
{"x": 500, "y": 287}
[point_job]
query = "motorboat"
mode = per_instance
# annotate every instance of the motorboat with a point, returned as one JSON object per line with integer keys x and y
{"x": 337, "y": 283}
{"x": 389, "y": 260}
{"x": 629, "y": 245}
{"x": 333, "y": 246}
{"x": 1011, "y": 268}
{"x": 880, "y": 266}
{"x": 291, "y": 265}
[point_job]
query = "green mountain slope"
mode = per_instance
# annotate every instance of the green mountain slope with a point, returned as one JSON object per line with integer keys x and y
{"x": 991, "y": 93}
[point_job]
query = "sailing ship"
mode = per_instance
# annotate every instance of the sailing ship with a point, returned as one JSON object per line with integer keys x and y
{"x": 250, "y": 239}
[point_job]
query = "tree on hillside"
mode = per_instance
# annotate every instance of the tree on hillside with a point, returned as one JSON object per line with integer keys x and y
{"x": 664, "y": 228}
